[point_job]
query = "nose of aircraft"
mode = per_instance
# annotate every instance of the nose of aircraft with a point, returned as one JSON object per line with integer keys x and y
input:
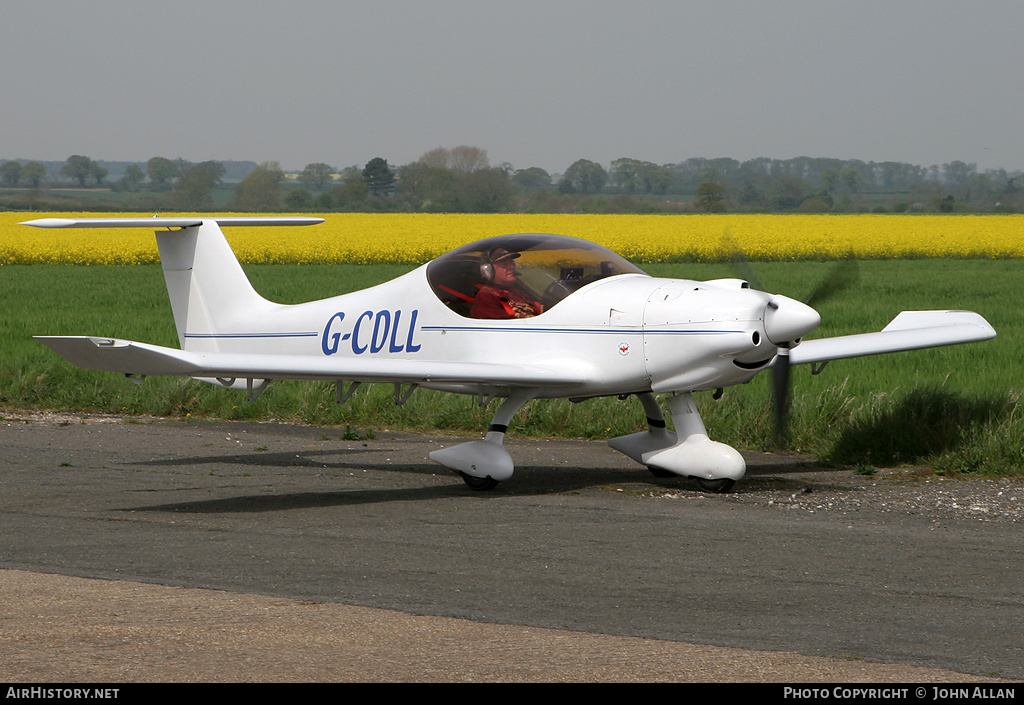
{"x": 787, "y": 320}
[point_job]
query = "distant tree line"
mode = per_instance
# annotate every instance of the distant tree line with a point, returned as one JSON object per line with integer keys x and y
{"x": 462, "y": 179}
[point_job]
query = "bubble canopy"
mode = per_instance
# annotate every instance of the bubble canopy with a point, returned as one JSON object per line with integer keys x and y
{"x": 550, "y": 268}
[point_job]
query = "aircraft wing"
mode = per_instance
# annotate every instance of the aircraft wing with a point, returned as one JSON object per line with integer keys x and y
{"x": 133, "y": 358}
{"x": 910, "y": 330}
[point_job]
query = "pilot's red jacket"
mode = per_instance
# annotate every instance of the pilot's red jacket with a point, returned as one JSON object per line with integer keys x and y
{"x": 495, "y": 302}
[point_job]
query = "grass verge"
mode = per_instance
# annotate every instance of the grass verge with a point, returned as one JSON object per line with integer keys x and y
{"x": 953, "y": 409}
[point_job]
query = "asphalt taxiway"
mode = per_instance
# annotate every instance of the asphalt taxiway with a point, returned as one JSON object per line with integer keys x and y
{"x": 582, "y": 561}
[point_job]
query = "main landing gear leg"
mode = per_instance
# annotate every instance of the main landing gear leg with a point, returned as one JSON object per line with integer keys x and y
{"x": 656, "y": 437}
{"x": 687, "y": 452}
{"x": 483, "y": 464}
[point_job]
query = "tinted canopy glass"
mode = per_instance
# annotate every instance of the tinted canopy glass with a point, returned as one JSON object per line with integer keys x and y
{"x": 549, "y": 268}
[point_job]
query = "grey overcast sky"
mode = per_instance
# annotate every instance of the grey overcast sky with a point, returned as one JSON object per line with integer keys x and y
{"x": 534, "y": 82}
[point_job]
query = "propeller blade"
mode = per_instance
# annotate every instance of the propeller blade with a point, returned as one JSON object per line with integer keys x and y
{"x": 739, "y": 261}
{"x": 780, "y": 393}
{"x": 844, "y": 274}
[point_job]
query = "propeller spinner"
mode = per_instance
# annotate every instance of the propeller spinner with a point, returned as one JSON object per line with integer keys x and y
{"x": 787, "y": 320}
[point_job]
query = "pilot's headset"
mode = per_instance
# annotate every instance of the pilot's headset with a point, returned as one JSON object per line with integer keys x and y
{"x": 497, "y": 254}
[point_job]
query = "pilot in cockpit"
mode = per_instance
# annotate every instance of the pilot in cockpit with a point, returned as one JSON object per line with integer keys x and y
{"x": 503, "y": 295}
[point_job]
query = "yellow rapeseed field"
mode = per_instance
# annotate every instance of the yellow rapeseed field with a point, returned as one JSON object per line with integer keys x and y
{"x": 372, "y": 238}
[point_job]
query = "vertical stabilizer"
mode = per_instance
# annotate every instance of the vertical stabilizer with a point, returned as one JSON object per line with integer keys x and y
{"x": 209, "y": 290}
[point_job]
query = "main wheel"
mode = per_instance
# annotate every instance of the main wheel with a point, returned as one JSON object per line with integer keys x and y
{"x": 719, "y": 486}
{"x": 479, "y": 483}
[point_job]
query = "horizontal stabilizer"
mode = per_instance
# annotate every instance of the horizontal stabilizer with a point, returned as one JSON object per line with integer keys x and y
{"x": 132, "y": 358}
{"x": 910, "y": 330}
{"x": 160, "y": 222}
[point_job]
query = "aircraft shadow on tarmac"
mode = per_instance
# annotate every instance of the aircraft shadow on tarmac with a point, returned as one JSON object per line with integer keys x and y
{"x": 529, "y": 480}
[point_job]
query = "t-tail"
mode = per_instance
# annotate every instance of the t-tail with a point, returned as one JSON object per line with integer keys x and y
{"x": 209, "y": 291}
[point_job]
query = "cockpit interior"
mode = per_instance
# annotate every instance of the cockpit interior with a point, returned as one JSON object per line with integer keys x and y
{"x": 550, "y": 268}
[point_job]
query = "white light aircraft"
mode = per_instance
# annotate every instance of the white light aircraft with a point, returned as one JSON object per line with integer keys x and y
{"x": 595, "y": 325}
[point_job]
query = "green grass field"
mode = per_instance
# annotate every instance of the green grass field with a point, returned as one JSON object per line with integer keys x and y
{"x": 953, "y": 409}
